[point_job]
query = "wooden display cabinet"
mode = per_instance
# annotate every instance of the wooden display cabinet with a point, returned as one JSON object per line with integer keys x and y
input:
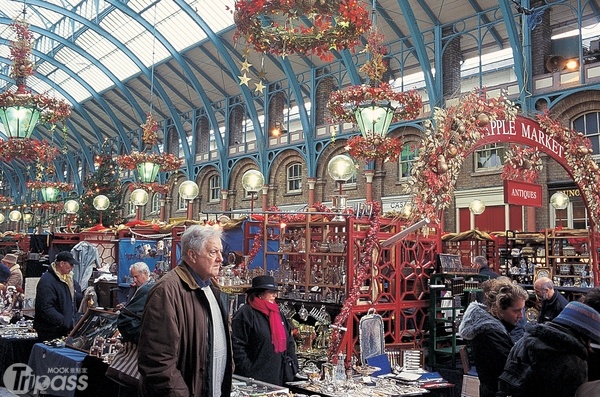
{"x": 312, "y": 258}
{"x": 522, "y": 254}
{"x": 569, "y": 257}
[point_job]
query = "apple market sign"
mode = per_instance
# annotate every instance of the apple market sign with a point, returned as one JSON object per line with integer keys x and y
{"x": 526, "y": 132}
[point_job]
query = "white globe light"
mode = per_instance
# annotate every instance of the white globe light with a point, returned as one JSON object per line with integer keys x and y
{"x": 71, "y": 207}
{"x": 559, "y": 200}
{"x": 188, "y": 190}
{"x": 101, "y": 202}
{"x": 477, "y": 207}
{"x": 139, "y": 197}
{"x": 253, "y": 180}
{"x": 15, "y": 215}
{"x": 341, "y": 168}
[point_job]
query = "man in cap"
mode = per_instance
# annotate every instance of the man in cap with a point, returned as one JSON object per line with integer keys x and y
{"x": 550, "y": 360}
{"x": 16, "y": 276}
{"x": 57, "y": 298}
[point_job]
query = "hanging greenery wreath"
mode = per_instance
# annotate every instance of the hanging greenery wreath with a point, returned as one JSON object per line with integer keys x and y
{"x": 151, "y": 187}
{"x": 451, "y": 135}
{"x": 166, "y": 161}
{"x": 61, "y": 186}
{"x": 276, "y": 26}
{"x": 374, "y": 148}
{"x": 27, "y": 149}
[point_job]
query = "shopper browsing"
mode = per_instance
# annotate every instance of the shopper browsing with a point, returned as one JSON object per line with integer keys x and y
{"x": 487, "y": 328}
{"x": 552, "y": 301}
{"x": 261, "y": 335}
{"x": 57, "y": 298}
{"x": 185, "y": 346}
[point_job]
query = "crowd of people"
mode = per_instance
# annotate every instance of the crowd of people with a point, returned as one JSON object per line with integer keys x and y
{"x": 189, "y": 345}
{"x": 552, "y": 357}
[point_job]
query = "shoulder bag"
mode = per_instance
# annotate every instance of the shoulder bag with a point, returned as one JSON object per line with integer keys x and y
{"x": 124, "y": 367}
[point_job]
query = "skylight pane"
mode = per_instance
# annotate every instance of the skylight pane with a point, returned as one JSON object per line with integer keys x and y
{"x": 121, "y": 65}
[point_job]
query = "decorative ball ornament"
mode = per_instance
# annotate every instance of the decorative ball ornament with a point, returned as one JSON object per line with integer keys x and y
{"x": 277, "y": 27}
{"x": 483, "y": 120}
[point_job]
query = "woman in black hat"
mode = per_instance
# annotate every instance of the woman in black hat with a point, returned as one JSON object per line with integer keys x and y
{"x": 262, "y": 336}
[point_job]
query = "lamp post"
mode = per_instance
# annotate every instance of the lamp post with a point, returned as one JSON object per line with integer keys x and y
{"x": 15, "y": 216}
{"x": 139, "y": 198}
{"x": 559, "y": 201}
{"x": 27, "y": 219}
{"x": 71, "y": 207}
{"x": 188, "y": 191}
{"x": 340, "y": 168}
{"x": 101, "y": 203}
{"x": 252, "y": 181}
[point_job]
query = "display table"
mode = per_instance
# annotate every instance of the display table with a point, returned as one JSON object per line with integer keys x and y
{"x": 14, "y": 350}
{"x": 87, "y": 372}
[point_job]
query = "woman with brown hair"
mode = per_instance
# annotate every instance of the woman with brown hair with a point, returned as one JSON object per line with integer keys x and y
{"x": 487, "y": 328}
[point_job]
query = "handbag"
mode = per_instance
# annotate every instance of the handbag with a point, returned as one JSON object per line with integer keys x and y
{"x": 289, "y": 368}
{"x": 124, "y": 367}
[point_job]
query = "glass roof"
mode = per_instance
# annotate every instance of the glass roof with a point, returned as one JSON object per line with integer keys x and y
{"x": 100, "y": 42}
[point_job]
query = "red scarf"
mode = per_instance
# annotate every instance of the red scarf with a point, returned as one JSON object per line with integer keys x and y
{"x": 271, "y": 310}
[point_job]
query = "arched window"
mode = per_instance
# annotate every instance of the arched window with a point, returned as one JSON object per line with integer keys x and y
{"x": 294, "y": 178}
{"x": 214, "y": 187}
{"x": 407, "y": 157}
{"x": 589, "y": 124}
{"x": 488, "y": 157}
{"x": 155, "y": 203}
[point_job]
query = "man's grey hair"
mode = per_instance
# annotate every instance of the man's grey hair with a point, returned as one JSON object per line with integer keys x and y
{"x": 140, "y": 267}
{"x": 481, "y": 261}
{"x": 195, "y": 237}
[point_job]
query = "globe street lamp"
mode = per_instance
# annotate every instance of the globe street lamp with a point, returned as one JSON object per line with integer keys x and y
{"x": 15, "y": 216}
{"x": 101, "y": 203}
{"x": 71, "y": 207}
{"x": 252, "y": 181}
{"x": 139, "y": 198}
{"x": 559, "y": 201}
{"x": 341, "y": 168}
{"x": 188, "y": 191}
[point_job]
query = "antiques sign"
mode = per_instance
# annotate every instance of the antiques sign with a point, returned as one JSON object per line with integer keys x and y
{"x": 522, "y": 193}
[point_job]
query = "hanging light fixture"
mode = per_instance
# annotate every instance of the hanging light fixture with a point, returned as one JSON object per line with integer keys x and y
{"x": 20, "y": 110}
{"x": 49, "y": 193}
{"x": 374, "y": 118}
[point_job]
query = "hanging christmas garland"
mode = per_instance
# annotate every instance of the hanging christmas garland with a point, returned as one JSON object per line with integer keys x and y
{"x": 27, "y": 149}
{"x": 374, "y": 148}
{"x": 276, "y": 26}
{"x": 61, "y": 186}
{"x": 151, "y": 187}
{"x": 363, "y": 272}
{"x": 448, "y": 139}
{"x": 150, "y": 131}
{"x": 578, "y": 154}
{"x": 166, "y": 161}
{"x": 522, "y": 163}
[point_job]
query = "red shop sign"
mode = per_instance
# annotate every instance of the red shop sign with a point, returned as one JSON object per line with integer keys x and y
{"x": 522, "y": 193}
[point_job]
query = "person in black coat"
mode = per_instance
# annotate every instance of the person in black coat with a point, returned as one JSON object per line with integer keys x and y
{"x": 261, "y": 335}
{"x": 57, "y": 298}
{"x": 487, "y": 329}
{"x": 551, "y": 359}
{"x": 552, "y": 301}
